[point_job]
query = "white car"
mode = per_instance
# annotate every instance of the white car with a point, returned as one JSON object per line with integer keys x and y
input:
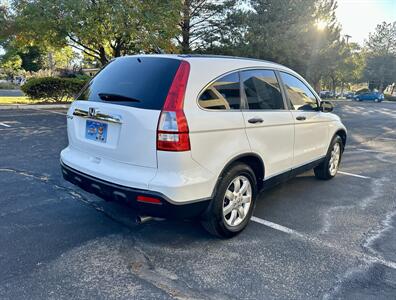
{"x": 191, "y": 136}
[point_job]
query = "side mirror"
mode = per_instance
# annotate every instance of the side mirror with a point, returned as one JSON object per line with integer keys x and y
{"x": 326, "y": 106}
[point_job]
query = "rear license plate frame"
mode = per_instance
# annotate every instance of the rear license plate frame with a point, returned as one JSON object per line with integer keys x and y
{"x": 96, "y": 131}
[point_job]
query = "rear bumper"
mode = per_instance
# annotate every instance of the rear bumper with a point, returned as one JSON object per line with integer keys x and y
{"x": 127, "y": 195}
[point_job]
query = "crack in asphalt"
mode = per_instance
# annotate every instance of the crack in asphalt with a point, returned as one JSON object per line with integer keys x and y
{"x": 142, "y": 266}
{"x": 75, "y": 195}
{"x": 327, "y": 224}
{"x": 383, "y": 228}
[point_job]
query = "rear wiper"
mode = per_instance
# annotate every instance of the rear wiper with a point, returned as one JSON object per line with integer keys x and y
{"x": 115, "y": 97}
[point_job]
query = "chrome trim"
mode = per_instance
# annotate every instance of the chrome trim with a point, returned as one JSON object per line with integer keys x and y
{"x": 98, "y": 116}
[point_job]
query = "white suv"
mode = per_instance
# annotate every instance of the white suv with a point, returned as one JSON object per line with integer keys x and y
{"x": 197, "y": 136}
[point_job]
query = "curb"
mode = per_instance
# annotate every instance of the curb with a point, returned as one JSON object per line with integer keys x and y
{"x": 34, "y": 106}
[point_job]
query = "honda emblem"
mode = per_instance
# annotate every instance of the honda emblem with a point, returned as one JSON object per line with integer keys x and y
{"x": 92, "y": 112}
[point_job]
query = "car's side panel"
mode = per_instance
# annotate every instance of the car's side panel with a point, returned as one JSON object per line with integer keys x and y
{"x": 311, "y": 136}
{"x": 273, "y": 139}
{"x": 216, "y": 137}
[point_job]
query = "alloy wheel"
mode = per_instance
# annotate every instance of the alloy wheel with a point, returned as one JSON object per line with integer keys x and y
{"x": 237, "y": 201}
{"x": 334, "y": 159}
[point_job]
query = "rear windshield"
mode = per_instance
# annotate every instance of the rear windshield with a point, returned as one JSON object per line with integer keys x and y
{"x": 141, "y": 82}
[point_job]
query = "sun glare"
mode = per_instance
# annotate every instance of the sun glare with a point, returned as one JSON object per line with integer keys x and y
{"x": 321, "y": 24}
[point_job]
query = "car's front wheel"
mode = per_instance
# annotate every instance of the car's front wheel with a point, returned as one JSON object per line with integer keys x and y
{"x": 329, "y": 167}
{"x": 230, "y": 210}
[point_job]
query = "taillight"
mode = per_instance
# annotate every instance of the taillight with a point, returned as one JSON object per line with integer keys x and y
{"x": 172, "y": 131}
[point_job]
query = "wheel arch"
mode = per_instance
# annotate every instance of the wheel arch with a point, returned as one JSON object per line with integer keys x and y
{"x": 342, "y": 134}
{"x": 253, "y": 160}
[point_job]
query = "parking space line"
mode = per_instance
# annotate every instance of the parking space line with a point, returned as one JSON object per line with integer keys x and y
{"x": 387, "y": 139}
{"x": 353, "y": 175}
{"x": 5, "y": 125}
{"x": 375, "y": 151}
{"x": 50, "y": 111}
{"x": 317, "y": 241}
{"x": 357, "y": 150}
{"x": 275, "y": 226}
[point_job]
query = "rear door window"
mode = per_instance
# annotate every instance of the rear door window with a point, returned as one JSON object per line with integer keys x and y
{"x": 262, "y": 90}
{"x": 223, "y": 94}
{"x": 141, "y": 82}
{"x": 299, "y": 95}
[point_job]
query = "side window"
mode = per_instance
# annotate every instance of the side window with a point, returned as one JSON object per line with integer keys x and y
{"x": 223, "y": 94}
{"x": 300, "y": 96}
{"x": 262, "y": 89}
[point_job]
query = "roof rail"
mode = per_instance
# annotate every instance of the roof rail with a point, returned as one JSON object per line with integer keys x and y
{"x": 225, "y": 56}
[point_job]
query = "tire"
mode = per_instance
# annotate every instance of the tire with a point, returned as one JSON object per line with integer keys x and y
{"x": 216, "y": 219}
{"x": 326, "y": 170}
{"x": 376, "y": 100}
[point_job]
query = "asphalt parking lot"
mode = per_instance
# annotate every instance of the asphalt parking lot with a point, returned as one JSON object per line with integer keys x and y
{"x": 309, "y": 238}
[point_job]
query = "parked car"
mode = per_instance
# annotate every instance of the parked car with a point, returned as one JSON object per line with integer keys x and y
{"x": 325, "y": 94}
{"x": 349, "y": 95}
{"x": 328, "y": 94}
{"x": 190, "y": 136}
{"x": 370, "y": 96}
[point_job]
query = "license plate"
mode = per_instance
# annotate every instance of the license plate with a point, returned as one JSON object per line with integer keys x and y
{"x": 96, "y": 131}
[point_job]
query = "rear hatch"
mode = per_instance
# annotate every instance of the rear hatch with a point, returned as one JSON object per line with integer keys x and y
{"x": 116, "y": 115}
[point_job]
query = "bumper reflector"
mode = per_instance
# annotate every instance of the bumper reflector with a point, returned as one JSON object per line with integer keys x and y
{"x": 146, "y": 199}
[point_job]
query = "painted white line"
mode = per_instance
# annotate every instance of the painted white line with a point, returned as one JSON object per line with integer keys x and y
{"x": 354, "y": 175}
{"x": 375, "y": 151}
{"x": 5, "y": 125}
{"x": 357, "y": 150}
{"x": 275, "y": 226}
{"x": 315, "y": 240}
{"x": 387, "y": 139}
{"x": 50, "y": 111}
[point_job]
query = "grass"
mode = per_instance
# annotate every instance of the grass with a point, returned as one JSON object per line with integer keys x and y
{"x": 25, "y": 100}
{"x": 17, "y": 100}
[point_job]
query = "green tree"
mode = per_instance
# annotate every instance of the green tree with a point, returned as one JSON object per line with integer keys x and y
{"x": 201, "y": 21}
{"x": 350, "y": 68}
{"x": 381, "y": 56}
{"x": 11, "y": 63}
{"x": 32, "y": 58}
{"x": 102, "y": 29}
{"x": 5, "y": 22}
{"x": 61, "y": 58}
{"x": 301, "y": 34}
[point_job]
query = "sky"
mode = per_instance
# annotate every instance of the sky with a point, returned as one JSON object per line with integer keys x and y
{"x": 359, "y": 17}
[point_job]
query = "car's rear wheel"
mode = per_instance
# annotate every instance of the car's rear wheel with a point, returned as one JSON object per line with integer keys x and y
{"x": 329, "y": 167}
{"x": 231, "y": 209}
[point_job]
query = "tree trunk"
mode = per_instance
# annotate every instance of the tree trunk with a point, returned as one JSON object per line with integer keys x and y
{"x": 381, "y": 86}
{"x": 333, "y": 83}
{"x": 342, "y": 88}
{"x": 117, "y": 50}
{"x": 317, "y": 86}
{"x": 185, "y": 27}
{"x": 103, "y": 57}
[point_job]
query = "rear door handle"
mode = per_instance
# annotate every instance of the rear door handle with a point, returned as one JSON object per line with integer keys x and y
{"x": 301, "y": 118}
{"x": 255, "y": 120}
